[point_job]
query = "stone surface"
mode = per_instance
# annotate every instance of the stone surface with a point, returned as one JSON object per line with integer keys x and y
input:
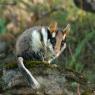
{"x": 52, "y": 82}
{"x": 87, "y": 5}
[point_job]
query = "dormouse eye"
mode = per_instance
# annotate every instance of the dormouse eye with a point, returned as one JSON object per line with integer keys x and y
{"x": 53, "y": 41}
{"x": 62, "y": 43}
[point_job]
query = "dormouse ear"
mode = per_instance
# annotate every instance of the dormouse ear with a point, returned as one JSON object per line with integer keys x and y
{"x": 66, "y": 30}
{"x": 53, "y": 28}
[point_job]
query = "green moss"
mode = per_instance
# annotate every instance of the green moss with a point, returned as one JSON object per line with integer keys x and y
{"x": 28, "y": 64}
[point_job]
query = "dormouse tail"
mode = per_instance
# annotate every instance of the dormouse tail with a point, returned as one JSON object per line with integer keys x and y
{"x": 27, "y": 74}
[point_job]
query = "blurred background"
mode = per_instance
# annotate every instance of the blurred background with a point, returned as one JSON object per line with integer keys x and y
{"x": 79, "y": 56}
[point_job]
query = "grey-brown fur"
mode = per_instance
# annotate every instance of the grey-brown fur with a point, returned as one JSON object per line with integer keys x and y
{"x": 24, "y": 46}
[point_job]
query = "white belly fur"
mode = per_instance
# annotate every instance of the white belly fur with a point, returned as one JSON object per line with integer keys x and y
{"x": 36, "y": 43}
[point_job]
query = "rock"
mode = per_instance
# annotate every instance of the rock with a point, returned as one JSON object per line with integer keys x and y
{"x": 52, "y": 82}
{"x": 87, "y": 5}
{"x": 12, "y": 78}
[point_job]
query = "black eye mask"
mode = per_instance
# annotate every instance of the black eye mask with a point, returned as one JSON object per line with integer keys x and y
{"x": 53, "y": 41}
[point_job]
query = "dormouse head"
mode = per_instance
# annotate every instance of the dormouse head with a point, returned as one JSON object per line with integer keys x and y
{"x": 61, "y": 38}
{"x": 59, "y": 35}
